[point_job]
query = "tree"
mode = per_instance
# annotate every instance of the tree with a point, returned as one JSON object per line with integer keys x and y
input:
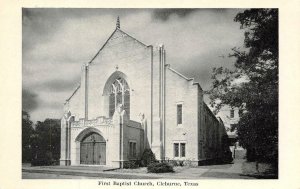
{"x": 47, "y": 142}
{"x": 27, "y": 133}
{"x": 252, "y": 85}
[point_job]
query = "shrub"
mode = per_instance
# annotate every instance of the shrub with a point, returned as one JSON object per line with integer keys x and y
{"x": 187, "y": 163}
{"x": 160, "y": 168}
{"x": 176, "y": 163}
{"x": 132, "y": 164}
{"x": 43, "y": 159}
{"x": 41, "y": 162}
{"x": 147, "y": 158}
{"x": 181, "y": 163}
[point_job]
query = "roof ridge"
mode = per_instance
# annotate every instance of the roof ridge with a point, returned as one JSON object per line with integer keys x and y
{"x": 103, "y": 46}
{"x": 185, "y": 77}
{"x": 180, "y": 74}
{"x": 73, "y": 93}
{"x": 117, "y": 29}
{"x": 133, "y": 37}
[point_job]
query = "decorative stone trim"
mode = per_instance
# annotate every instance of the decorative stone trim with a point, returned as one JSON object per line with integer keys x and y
{"x": 99, "y": 121}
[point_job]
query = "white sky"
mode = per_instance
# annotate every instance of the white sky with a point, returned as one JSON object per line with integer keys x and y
{"x": 56, "y": 42}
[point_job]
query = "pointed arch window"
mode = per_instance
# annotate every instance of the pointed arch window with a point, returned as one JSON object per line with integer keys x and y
{"x": 119, "y": 93}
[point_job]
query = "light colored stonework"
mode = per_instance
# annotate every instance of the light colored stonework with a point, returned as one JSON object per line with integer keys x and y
{"x": 155, "y": 91}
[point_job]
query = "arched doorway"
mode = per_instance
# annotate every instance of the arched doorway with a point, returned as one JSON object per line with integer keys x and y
{"x": 93, "y": 149}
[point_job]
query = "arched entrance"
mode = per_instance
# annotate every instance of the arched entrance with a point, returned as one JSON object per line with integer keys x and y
{"x": 93, "y": 149}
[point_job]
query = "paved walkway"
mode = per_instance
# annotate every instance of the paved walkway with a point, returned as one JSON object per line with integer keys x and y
{"x": 80, "y": 171}
{"x": 234, "y": 171}
{"x": 225, "y": 171}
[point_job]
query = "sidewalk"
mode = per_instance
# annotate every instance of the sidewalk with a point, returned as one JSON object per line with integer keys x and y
{"x": 234, "y": 171}
{"x": 225, "y": 171}
{"x": 97, "y": 172}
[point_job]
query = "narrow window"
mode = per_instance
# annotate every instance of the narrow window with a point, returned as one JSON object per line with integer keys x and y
{"x": 127, "y": 102}
{"x": 134, "y": 149}
{"x": 130, "y": 149}
{"x": 232, "y": 113}
{"x": 179, "y": 114}
{"x": 119, "y": 98}
{"x": 176, "y": 149}
{"x": 111, "y": 104}
{"x": 182, "y": 150}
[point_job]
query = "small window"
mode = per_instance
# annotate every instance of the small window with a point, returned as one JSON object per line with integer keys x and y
{"x": 232, "y": 113}
{"x": 176, "y": 149}
{"x": 132, "y": 149}
{"x": 182, "y": 149}
{"x": 179, "y": 149}
{"x": 179, "y": 114}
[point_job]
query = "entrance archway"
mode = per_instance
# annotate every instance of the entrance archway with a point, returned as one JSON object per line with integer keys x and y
{"x": 93, "y": 149}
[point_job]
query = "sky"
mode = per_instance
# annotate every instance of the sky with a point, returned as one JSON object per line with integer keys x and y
{"x": 56, "y": 42}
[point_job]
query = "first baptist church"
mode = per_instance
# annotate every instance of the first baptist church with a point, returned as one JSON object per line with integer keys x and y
{"x": 130, "y": 99}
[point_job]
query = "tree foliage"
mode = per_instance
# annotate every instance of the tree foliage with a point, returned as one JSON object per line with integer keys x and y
{"x": 147, "y": 158}
{"x": 40, "y": 145}
{"x": 47, "y": 141}
{"x": 27, "y": 133}
{"x": 252, "y": 85}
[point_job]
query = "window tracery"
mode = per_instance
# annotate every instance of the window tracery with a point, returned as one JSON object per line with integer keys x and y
{"x": 119, "y": 93}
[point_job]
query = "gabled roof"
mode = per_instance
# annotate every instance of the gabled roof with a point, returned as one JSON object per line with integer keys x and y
{"x": 91, "y": 61}
{"x": 73, "y": 93}
{"x": 115, "y": 31}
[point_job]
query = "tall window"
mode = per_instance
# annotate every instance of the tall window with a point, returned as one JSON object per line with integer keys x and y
{"x": 132, "y": 149}
{"x": 119, "y": 94}
{"x": 111, "y": 104}
{"x": 176, "y": 149}
{"x": 179, "y": 114}
{"x": 182, "y": 149}
{"x": 179, "y": 149}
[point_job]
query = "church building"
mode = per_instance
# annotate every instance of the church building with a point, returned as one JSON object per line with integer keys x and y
{"x": 131, "y": 99}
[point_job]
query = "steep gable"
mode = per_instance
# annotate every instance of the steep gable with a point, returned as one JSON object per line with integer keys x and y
{"x": 116, "y": 39}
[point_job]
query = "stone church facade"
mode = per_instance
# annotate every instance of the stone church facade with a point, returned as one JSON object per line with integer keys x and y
{"x": 129, "y": 99}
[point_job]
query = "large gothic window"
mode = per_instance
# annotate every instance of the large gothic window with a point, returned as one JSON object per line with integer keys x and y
{"x": 119, "y": 93}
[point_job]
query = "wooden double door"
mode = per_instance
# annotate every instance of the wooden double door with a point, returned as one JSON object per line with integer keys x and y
{"x": 93, "y": 150}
